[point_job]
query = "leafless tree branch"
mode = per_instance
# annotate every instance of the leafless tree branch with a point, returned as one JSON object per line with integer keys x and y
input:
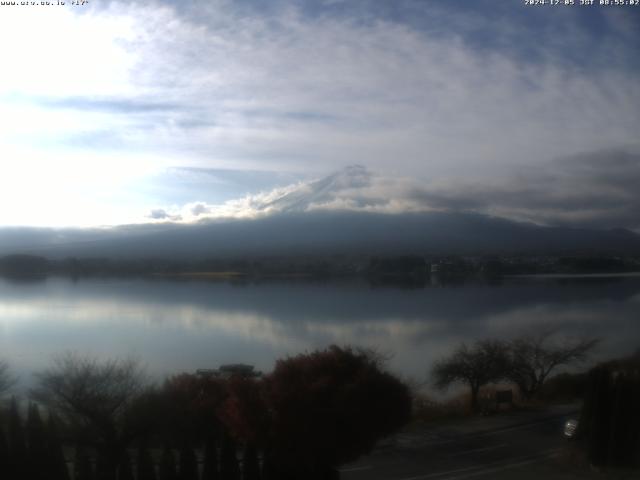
{"x": 534, "y": 357}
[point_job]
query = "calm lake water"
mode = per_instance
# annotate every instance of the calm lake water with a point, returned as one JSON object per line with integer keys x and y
{"x": 175, "y": 326}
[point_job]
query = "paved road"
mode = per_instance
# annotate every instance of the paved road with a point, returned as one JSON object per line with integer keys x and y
{"x": 518, "y": 445}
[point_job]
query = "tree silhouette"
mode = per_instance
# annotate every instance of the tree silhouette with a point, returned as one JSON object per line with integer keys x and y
{"x": 168, "y": 465}
{"x": 229, "y": 469}
{"x": 210, "y": 468}
{"x": 145, "y": 468}
{"x": 609, "y": 425}
{"x": 534, "y": 357}
{"x": 37, "y": 445}
{"x": 250, "y": 465}
{"x": 188, "y": 463}
{"x": 190, "y": 406}
{"x": 94, "y": 397}
{"x": 269, "y": 469}
{"x": 485, "y": 362}
{"x": 328, "y": 408}
{"x": 4, "y": 455}
{"x": 83, "y": 470}
{"x": 55, "y": 456}
{"x": 244, "y": 411}
{"x": 125, "y": 472}
{"x": 17, "y": 444}
{"x": 106, "y": 467}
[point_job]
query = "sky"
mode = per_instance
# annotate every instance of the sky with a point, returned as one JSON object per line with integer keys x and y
{"x": 117, "y": 113}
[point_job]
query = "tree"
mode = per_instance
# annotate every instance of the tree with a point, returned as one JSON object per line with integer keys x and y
{"x": 37, "y": 445}
{"x": 244, "y": 410}
{"x": 229, "y": 469}
{"x": 188, "y": 463}
{"x": 210, "y": 467}
{"x": 57, "y": 463}
{"x": 125, "y": 472}
{"x": 609, "y": 426}
{"x": 189, "y": 407}
{"x": 82, "y": 465}
{"x": 328, "y": 408}
{"x": 5, "y": 458}
{"x": 484, "y": 362}
{"x": 21, "y": 265}
{"x": 145, "y": 468}
{"x": 534, "y": 357}
{"x": 168, "y": 465}
{"x": 94, "y": 397}
{"x": 250, "y": 464}
{"x": 18, "y": 466}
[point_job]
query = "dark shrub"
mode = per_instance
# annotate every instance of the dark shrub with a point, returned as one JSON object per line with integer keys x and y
{"x": 609, "y": 424}
{"x": 330, "y": 407}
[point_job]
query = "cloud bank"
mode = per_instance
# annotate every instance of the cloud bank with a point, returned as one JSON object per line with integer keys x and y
{"x": 423, "y": 90}
{"x": 284, "y": 90}
{"x": 594, "y": 190}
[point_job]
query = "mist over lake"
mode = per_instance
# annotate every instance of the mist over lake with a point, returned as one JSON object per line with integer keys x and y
{"x": 176, "y": 326}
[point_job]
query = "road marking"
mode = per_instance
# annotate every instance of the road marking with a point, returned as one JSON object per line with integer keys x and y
{"x": 476, "y": 450}
{"x": 486, "y": 468}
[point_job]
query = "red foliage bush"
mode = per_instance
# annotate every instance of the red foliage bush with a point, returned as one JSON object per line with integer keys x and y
{"x": 329, "y": 407}
{"x": 315, "y": 411}
{"x": 244, "y": 411}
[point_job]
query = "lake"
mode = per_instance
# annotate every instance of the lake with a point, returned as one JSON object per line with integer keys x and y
{"x": 175, "y": 326}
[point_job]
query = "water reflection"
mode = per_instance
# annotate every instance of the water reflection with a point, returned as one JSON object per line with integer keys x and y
{"x": 177, "y": 326}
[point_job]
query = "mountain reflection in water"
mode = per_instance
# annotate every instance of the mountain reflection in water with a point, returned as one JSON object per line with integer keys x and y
{"x": 184, "y": 325}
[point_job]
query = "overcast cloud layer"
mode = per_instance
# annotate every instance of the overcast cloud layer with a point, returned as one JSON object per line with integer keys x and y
{"x": 471, "y": 103}
{"x": 593, "y": 190}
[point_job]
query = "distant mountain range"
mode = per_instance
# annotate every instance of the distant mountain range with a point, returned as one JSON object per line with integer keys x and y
{"x": 321, "y": 232}
{"x": 342, "y": 213}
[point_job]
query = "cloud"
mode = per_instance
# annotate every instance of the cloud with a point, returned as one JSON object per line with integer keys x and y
{"x": 400, "y": 87}
{"x": 383, "y": 93}
{"x": 596, "y": 190}
{"x": 416, "y": 91}
{"x": 113, "y": 105}
{"x": 199, "y": 209}
{"x": 161, "y": 214}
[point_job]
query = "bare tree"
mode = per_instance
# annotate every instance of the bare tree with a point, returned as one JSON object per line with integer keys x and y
{"x": 94, "y": 397}
{"x": 484, "y": 362}
{"x": 534, "y": 357}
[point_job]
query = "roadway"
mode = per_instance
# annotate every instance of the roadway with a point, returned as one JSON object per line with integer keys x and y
{"x": 522, "y": 445}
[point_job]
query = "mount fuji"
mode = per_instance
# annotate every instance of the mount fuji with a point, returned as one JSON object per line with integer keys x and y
{"x": 350, "y": 212}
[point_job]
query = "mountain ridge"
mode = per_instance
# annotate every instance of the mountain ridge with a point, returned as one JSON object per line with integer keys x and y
{"x": 323, "y": 232}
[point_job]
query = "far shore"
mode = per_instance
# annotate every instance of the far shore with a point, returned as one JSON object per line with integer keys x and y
{"x": 230, "y": 275}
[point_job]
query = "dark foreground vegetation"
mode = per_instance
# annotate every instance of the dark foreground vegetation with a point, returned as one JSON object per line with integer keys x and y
{"x": 608, "y": 432}
{"x": 313, "y": 413}
{"x": 525, "y": 362}
{"x": 609, "y": 426}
